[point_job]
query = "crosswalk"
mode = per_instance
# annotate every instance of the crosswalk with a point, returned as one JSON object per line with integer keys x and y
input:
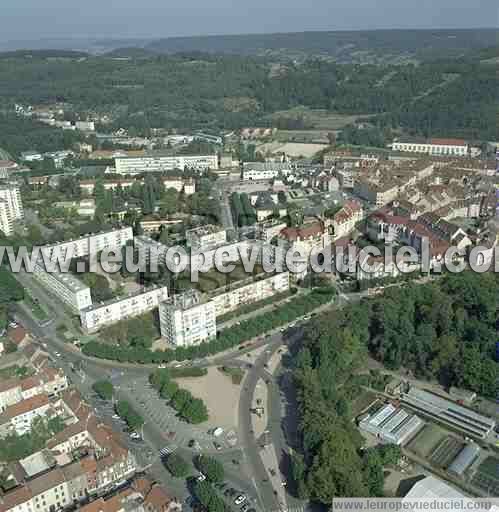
{"x": 302, "y": 508}
{"x": 167, "y": 450}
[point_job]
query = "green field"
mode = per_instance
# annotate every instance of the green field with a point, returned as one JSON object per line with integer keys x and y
{"x": 428, "y": 439}
{"x": 487, "y": 476}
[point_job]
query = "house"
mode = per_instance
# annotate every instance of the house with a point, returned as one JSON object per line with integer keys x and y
{"x": 345, "y": 220}
{"x": 19, "y": 417}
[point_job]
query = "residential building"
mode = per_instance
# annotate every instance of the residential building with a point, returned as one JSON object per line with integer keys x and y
{"x": 378, "y": 194}
{"x": 157, "y": 162}
{"x": 205, "y": 237}
{"x": 64, "y": 286}
{"x": 185, "y": 185}
{"x": 10, "y": 393}
{"x": 31, "y": 156}
{"x": 19, "y": 417}
{"x": 97, "y": 316}
{"x": 11, "y": 206}
{"x": 248, "y": 292}
{"x": 86, "y": 208}
{"x": 6, "y": 168}
{"x": 255, "y": 171}
{"x": 345, "y": 219}
{"x": 85, "y": 126}
{"x": 186, "y": 320}
{"x": 90, "y": 244}
{"x": 435, "y": 147}
{"x": 266, "y": 231}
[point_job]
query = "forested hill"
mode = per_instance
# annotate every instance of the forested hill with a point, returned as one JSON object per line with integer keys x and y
{"x": 443, "y": 331}
{"x": 343, "y": 46}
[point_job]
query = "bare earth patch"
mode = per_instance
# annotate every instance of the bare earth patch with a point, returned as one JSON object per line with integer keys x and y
{"x": 220, "y": 396}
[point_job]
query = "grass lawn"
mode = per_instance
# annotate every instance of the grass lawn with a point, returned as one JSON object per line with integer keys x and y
{"x": 15, "y": 371}
{"x": 35, "y": 307}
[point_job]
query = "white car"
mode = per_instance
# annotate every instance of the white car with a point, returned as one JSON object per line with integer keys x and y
{"x": 202, "y": 478}
{"x": 57, "y": 354}
{"x": 240, "y": 499}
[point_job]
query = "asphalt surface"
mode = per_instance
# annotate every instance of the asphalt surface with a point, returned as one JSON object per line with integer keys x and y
{"x": 131, "y": 385}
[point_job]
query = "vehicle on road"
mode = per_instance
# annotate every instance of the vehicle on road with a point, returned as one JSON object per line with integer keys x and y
{"x": 217, "y": 446}
{"x": 240, "y": 499}
{"x": 201, "y": 477}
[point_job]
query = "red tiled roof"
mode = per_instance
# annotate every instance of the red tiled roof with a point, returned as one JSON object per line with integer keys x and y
{"x": 30, "y": 404}
{"x": 303, "y": 232}
{"x": 448, "y": 142}
{"x": 17, "y": 335}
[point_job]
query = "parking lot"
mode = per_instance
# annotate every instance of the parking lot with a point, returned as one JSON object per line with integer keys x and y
{"x": 175, "y": 430}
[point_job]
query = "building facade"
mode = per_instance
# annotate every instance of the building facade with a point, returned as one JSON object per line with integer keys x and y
{"x": 11, "y": 206}
{"x": 186, "y": 320}
{"x": 161, "y": 163}
{"x": 97, "y": 316}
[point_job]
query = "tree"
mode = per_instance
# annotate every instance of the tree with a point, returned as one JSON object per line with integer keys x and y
{"x": 168, "y": 390}
{"x": 211, "y": 468}
{"x": 104, "y": 389}
{"x": 177, "y": 466}
{"x": 195, "y": 411}
{"x": 181, "y": 399}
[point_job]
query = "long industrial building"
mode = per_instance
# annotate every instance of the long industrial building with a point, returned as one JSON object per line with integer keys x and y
{"x": 446, "y": 411}
{"x": 157, "y": 162}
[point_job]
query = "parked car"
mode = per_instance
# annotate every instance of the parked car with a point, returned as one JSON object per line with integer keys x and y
{"x": 240, "y": 499}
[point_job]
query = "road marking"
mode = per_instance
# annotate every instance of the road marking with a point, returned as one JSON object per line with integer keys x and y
{"x": 168, "y": 450}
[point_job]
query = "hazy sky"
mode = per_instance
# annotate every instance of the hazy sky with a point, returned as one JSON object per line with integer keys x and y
{"x": 34, "y": 19}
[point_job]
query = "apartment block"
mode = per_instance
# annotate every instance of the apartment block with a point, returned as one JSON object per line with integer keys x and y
{"x": 97, "y": 316}
{"x": 248, "y": 293}
{"x": 157, "y": 162}
{"x": 205, "y": 237}
{"x": 11, "y": 206}
{"x": 434, "y": 147}
{"x": 65, "y": 287}
{"x": 345, "y": 220}
{"x": 186, "y": 320}
{"x": 91, "y": 244}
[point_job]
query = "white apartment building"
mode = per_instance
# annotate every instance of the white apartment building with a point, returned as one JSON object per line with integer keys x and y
{"x": 255, "y": 171}
{"x": 97, "y": 316}
{"x": 10, "y": 393}
{"x": 85, "y": 126}
{"x": 251, "y": 292}
{"x": 6, "y": 167}
{"x": 161, "y": 163}
{"x": 11, "y": 206}
{"x": 205, "y": 237}
{"x": 91, "y": 244}
{"x": 187, "y": 321}
{"x": 435, "y": 147}
{"x": 20, "y": 416}
{"x": 64, "y": 286}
